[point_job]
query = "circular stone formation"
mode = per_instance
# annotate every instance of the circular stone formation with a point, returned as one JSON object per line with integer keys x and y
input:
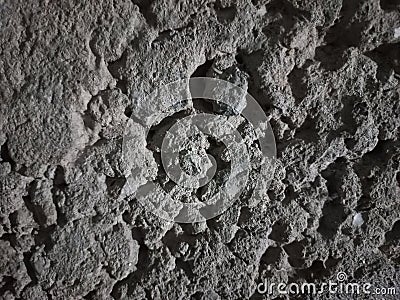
{"x": 184, "y": 155}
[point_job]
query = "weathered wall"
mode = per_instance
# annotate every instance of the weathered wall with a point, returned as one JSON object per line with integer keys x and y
{"x": 327, "y": 74}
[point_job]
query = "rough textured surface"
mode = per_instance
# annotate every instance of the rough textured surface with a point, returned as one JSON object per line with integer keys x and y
{"x": 326, "y": 72}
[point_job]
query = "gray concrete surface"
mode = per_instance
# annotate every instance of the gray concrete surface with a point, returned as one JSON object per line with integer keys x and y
{"x": 326, "y": 73}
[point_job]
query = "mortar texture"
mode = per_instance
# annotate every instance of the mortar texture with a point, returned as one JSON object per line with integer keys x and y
{"x": 327, "y": 75}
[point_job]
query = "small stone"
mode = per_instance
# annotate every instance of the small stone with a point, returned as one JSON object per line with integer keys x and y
{"x": 358, "y": 220}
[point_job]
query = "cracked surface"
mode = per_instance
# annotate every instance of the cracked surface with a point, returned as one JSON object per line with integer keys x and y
{"x": 71, "y": 72}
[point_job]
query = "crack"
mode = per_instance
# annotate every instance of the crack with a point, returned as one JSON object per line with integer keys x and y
{"x": 185, "y": 266}
{"x": 90, "y": 296}
{"x": 170, "y": 33}
{"x": 114, "y": 68}
{"x": 94, "y": 52}
{"x": 36, "y": 211}
{"x": 386, "y": 58}
{"x": 43, "y": 235}
{"x": 144, "y": 9}
{"x": 8, "y": 284}
{"x": 115, "y": 185}
{"x": 6, "y": 157}
{"x": 142, "y": 266}
{"x": 29, "y": 268}
{"x": 59, "y": 185}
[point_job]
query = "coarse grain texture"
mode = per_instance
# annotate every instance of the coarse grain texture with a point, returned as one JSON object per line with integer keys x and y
{"x": 327, "y": 73}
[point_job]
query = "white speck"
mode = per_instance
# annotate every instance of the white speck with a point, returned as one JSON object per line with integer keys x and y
{"x": 262, "y": 10}
{"x": 358, "y": 220}
{"x": 397, "y": 33}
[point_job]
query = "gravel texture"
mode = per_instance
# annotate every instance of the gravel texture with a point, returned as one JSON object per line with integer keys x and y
{"x": 326, "y": 73}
